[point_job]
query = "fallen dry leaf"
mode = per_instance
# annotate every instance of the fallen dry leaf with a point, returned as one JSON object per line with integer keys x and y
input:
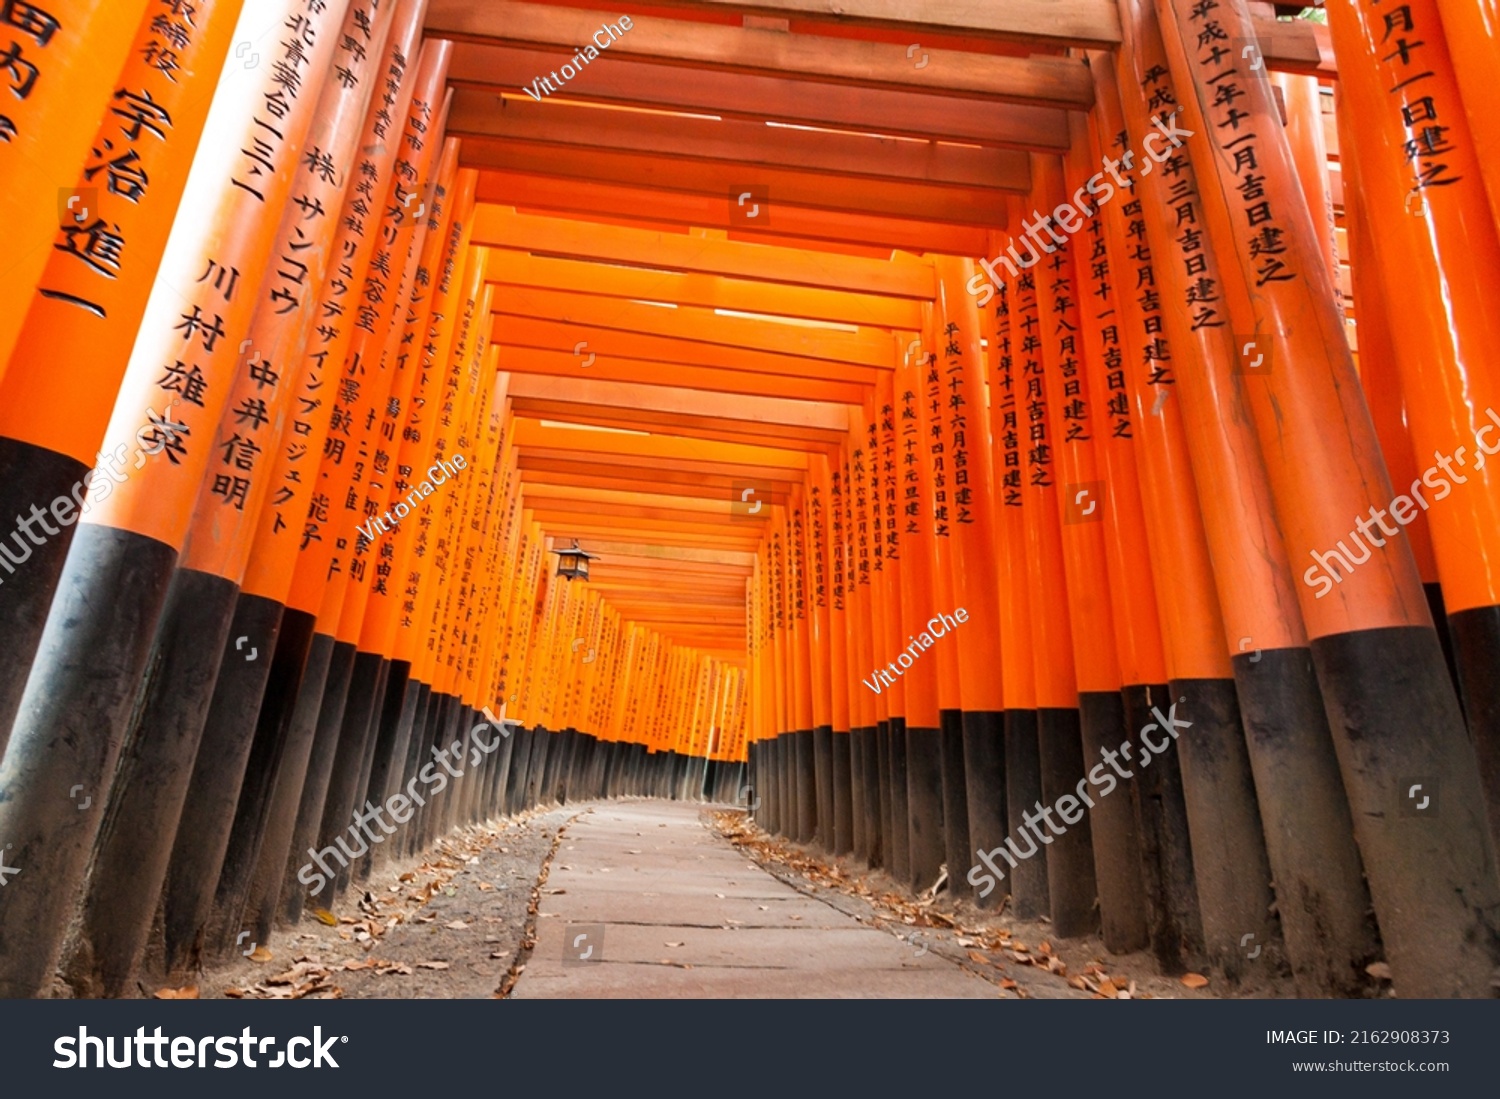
{"x": 326, "y": 917}
{"x": 456, "y": 925}
{"x": 1195, "y": 980}
{"x": 432, "y": 965}
{"x": 1379, "y": 970}
{"x": 261, "y": 954}
{"x": 1006, "y": 982}
{"x": 187, "y": 992}
{"x": 975, "y": 956}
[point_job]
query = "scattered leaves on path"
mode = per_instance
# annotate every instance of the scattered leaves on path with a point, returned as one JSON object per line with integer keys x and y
{"x": 988, "y": 946}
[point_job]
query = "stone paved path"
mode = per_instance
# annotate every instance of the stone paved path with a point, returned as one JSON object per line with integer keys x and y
{"x": 643, "y": 900}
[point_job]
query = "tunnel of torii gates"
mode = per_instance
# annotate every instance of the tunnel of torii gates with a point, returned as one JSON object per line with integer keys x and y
{"x": 944, "y": 429}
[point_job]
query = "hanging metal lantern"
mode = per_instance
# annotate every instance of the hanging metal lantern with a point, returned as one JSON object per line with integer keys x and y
{"x": 573, "y": 563}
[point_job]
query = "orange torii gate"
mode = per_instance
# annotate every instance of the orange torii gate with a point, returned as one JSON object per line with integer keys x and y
{"x": 1003, "y": 464}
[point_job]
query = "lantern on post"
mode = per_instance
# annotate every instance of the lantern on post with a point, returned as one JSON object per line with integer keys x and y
{"x": 574, "y": 562}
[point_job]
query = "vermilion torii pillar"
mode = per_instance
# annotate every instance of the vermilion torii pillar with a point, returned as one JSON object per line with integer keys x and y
{"x": 58, "y": 61}
{"x": 1321, "y": 899}
{"x": 74, "y": 340}
{"x": 918, "y": 597}
{"x": 93, "y": 652}
{"x": 972, "y": 509}
{"x": 1421, "y": 186}
{"x": 204, "y": 625}
{"x": 1028, "y": 887}
{"x": 1391, "y": 706}
{"x": 1187, "y": 606}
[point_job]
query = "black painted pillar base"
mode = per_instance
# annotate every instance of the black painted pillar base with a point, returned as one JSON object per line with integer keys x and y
{"x": 268, "y": 869}
{"x": 1431, "y": 866}
{"x": 804, "y": 772}
{"x": 520, "y": 763}
{"x": 787, "y": 749}
{"x": 1476, "y": 655}
{"x": 151, "y": 782}
{"x": 1070, "y": 856}
{"x": 1321, "y": 897}
{"x": 1117, "y": 847}
{"x": 899, "y": 866}
{"x": 957, "y": 852}
{"x": 422, "y": 765}
{"x": 859, "y": 836}
{"x": 882, "y": 845}
{"x": 366, "y": 689}
{"x": 1175, "y": 927}
{"x": 1030, "y": 891}
{"x": 30, "y": 476}
{"x": 843, "y": 793}
{"x": 301, "y": 869}
{"x": 67, "y": 736}
{"x": 823, "y": 775}
{"x": 270, "y": 703}
{"x": 1229, "y": 847}
{"x": 388, "y": 759}
{"x": 926, "y": 850}
{"x": 984, "y": 775}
